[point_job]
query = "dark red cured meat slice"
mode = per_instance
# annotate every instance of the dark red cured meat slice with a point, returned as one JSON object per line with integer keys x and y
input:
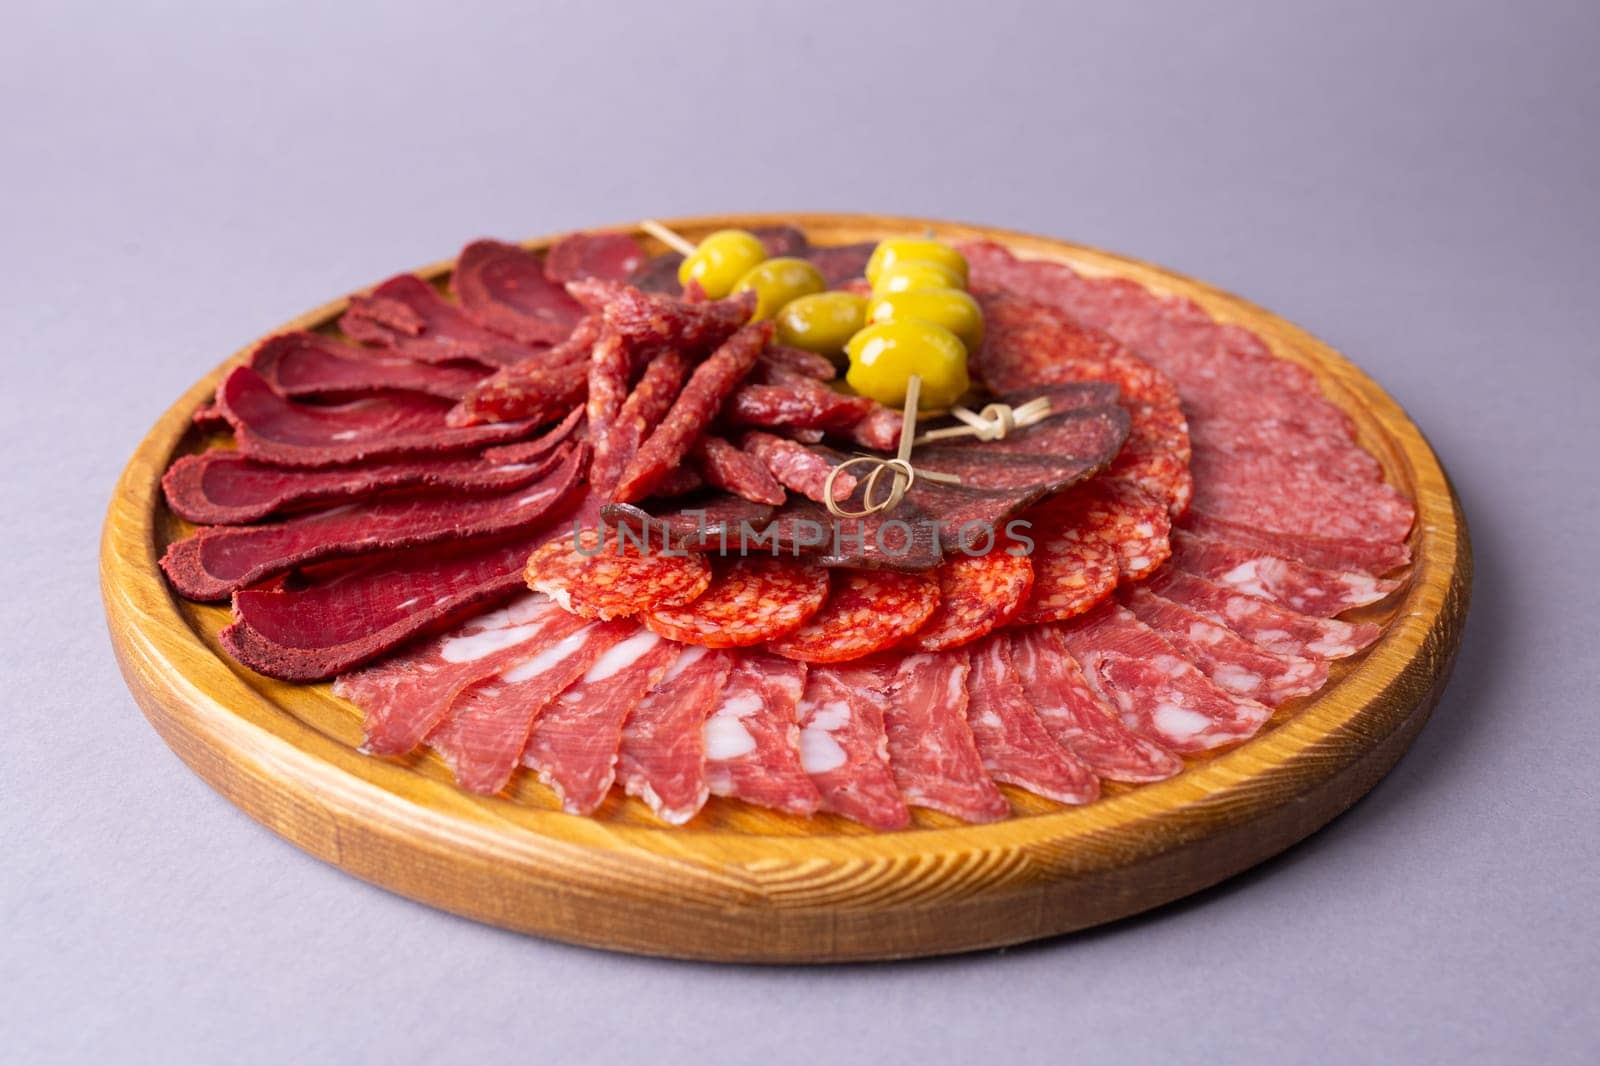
{"x": 1306, "y": 589}
{"x": 879, "y": 430}
{"x": 337, "y": 622}
{"x": 1051, "y": 455}
{"x": 844, "y": 747}
{"x": 504, "y": 288}
{"x": 700, "y": 523}
{"x": 692, "y": 411}
{"x": 1325, "y": 553}
{"x": 1278, "y": 493}
{"x": 785, "y": 362}
{"x": 1304, "y": 439}
{"x": 795, "y": 466}
{"x": 408, "y": 315}
{"x": 658, "y": 274}
{"x": 840, "y": 263}
{"x": 575, "y": 741}
{"x": 614, "y": 577}
{"x": 782, "y": 240}
{"x": 750, "y": 600}
{"x": 276, "y": 430}
{"x": 931, "y": 749}
{"x": 647, "y": 320}
{"x": 213, "y": 563}
{"x": 1073, "y": 569}
{"x": 640, "y": 413}
{"x": 403, "y": 696}
{"x": 726, "y": 467}
{"x": 526, "y": 451}
{"x": 610, "y": 369}
{"x": 309, "y": 364}
{"x": 608, "y": 256}
{"x": 1116, "y": 516}
{"x": 1012, "y": 740}
{"x": 1264, "y": 623}
{"x": 222, "y": 487}
{"x": 662, "y": 759}
{"x": 865, "y": 612}
{"x": 1156, "y": 692}
{"x": 1231, "y": 662}
{"x": 209, "y": 418}
{"x": 681, "y": 482}
{"x": 485, "y": 730}
{"x": 752, "y": 738}
{"x": 808, "y": 405}
{"x": 976, "y": 594}
{"x": 1078, "y": 719}
{"x": 541, "y": 388}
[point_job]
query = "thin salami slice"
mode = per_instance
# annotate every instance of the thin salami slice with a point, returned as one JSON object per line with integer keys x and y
{"x": 1156, "y": 455}
{"x": 610, "y": 256}
{"x": 309, "y": 364}
{"x": 1231, "y": 662}
{"x": 663, "y": 754}
{"x": 1306, "y": 589}
{"x": 1012, "y": 740}
{"x": 1073, "y": 569}
{"x": 750, "y": 600}
{"x": 408, "y": 315}
{"x": 613, "y": 576}
{"x": 1158, "y": 694}
{"x": 1277, "y": 492}
{"x": 504, "y": 288}
{"x": 931, "y": 749}
{"x": 574, "y": 743}
{"x": 1264, "y": 623}
{"x": 866, "y": 611}
{"x": 1326, "y": 553}
{"x": 976, "y": 594}
{"x": 1078, "y": 719}
{"x": 844, "y": 748}
{"x": 752, "y": 738}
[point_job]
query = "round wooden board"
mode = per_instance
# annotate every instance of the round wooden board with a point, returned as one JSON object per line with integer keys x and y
{"x": 745, "y": 884}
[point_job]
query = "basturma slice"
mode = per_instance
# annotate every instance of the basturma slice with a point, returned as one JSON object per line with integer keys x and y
{"x": 1247, "y": 569}
{"x": 1078, "y": 719}
{"x": 405, "y": 695}
{"x": 931, "y": 748}
{"x": 1012, "y": 740}
{"x": 750, "y": 600}
{"x": 1263, "y": 623}
{"x": 598, "y": 575}
{"x": 1159, "y": 694}
{"x": 752, "y": 736}
{"x": 611, "y": 256}
{"x": 575, "y": 741}
{"x": 216, "y": 562}
{"x": 407, "y": 315}
{"x": 844, "y": 747}
{"x": 866, "y": 611}
{"x": 309, "y": 364}
{"x": 662, "y": 759}
{"x": 337, "y": 622}
{"x": 277, "y": 430}
{"x": 504, "y": 288}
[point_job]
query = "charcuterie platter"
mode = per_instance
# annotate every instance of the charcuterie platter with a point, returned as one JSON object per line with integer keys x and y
{"x": 1061, "y": 586}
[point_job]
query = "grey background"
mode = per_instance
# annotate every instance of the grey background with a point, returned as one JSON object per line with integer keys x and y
{"x": 1413, "y": 183}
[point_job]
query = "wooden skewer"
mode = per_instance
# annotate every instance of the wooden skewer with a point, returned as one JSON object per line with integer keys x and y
{"x": 671, "y": 238}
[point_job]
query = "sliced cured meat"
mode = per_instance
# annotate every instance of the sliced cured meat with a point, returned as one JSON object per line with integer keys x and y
{"x": 663, "y": 755}
{"x": 338, "y": 621}
{"x": 840, "y": 263}
{"x": 1073, "y": 568}
{"x": 527, "y": 451}
{"x": 715, "y": 523}
{"x": 485, "y": 731}
{"x": 1078, "y": 719}
{"x": 647, "y": 320}
{"x": 795, "y": 466}
{"x": 750, "y": 600}
{"x": 614, "y": 575}
{"x": 1012, "y": 740}
{"x": 692, "y": 411}
{"x": 408, "y": 315}
{"x": 539, "y": 389}
{"x": 1049, "y": 456}
{"x": 1304, "y": 438}
{"x": 879, "y": 430}
{"x": 1156, "y": 692}
{"x": 1231, "y": 662}
{"x": 783, "y": 360}
{"x": 865, "y": 612}
{"x": 1264, "y": 623}
{"x": 276, "y": 430}
{"x": 504, "y": 288}
{"x": 1326, "y": 553}
{"x": 640, "y": 413}
{"x": 658, "y": 275}
{"x": 404, "y": 696}
{"x": 752, "y": 738}
{"x": 309, "y": 364}
{"x": 1276, "y": 492}
{"x": 681, "y": 482}
{"x": 222, "y": 487}
{"x": 976, "y": 594}
{"x": 575, "y": 740}
{"x": 1156, "y": 456}
{"x": 732, "y": 470}
{"x": 844, "y": 747}
{"x": 931, "y": 750}
{"x": 807, "y": 404}
{"x": 610, "y": 368}
{"x": 782, "y": 240}
{"x": 1306, "y": 589}
{"x": 214, "y": 562}
{"x": 609, "y": 256}
{"x": 209, "y": 418}
{"x": 1081, "y": 527}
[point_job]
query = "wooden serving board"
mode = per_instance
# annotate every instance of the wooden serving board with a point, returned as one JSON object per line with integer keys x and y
{"x": 741, "y": 883}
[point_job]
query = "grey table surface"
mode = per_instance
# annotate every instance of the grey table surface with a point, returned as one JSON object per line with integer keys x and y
{"x": 1414, "y": 183}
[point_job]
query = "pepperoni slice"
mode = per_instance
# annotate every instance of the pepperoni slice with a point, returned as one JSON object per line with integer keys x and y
{"x": 749, "y": 600}
{"x": 866, "y": 611}
{"x": 1090, "y": 536}
{"x": 615, "y": 577}
{"x": 976, "y": 594}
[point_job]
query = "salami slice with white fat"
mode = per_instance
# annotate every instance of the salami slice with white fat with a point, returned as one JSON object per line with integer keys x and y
{"x": 750, "y": 600}
{"x": 931, "y": 748}
{"x": 976, "y": 594}
{"x": 844, "y": 747}
{"x": 1012, "y": 740}
{"x": 752, "y": 738}
{"x": 1246, "y": 569}
{"x": 662, "y": 759}
{"x": 866, "y": 611}
{"x": 613, "y": 574}
{"x": 1087, "y": 538}
{"x": 1263, "y": 623}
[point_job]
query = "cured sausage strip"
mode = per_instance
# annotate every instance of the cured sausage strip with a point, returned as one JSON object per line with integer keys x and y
{"x": 539, "y": 389}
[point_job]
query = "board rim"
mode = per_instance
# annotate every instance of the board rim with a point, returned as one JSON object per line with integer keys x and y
{"x": 801, "y": 898}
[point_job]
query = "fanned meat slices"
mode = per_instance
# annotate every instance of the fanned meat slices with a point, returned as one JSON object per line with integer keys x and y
{"x": 752, "y": 737}
{"x": 1326, "y": 553}
{"x": 1306, "y": 589}
{"x": 1264, "y": 623}
{"x": 504, "y": 288}
{"x": 1012, "y": 740}
{"x": 931, "y": 749}
{"x": 408, "y": 315}
{"x": 750, "y": 600}
{"x": 844, "y": 748}
{"x": 309, "y": 364}
{"x": 662, "y": 759}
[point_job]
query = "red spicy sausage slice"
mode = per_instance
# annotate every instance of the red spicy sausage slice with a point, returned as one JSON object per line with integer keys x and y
{"x": 749, "y": 600}
{"x": 976, "y": 594}
{"x": 866, "y": 611}
{"x": 615, "y": 577}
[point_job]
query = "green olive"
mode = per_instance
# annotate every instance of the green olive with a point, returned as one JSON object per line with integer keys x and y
{"x": 721, "y": 260}
{"x": 903, "y": 275}
{"x": 887, "y": 253}
{"x": 884, "y": 356}
{"x": 822, "y": 322}
{"x": 778, "y": 281}
{"x": 954, "y": 309}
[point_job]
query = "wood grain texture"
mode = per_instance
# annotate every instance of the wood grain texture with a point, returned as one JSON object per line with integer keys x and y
{"x": 740, "y": 883}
